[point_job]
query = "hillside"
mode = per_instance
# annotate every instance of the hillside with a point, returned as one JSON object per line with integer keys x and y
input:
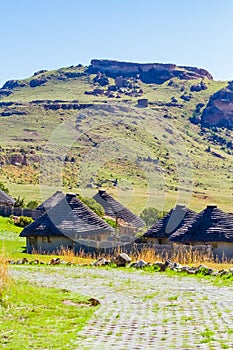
{"x": 151, "y": 116}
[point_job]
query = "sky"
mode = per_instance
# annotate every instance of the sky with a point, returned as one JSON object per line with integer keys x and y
{"x": 50, "y": 34}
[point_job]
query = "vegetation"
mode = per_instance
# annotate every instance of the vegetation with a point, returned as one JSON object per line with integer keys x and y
{"x": 23, "y": 221}
{"x": 150, "y": 216}
{"x": 41, "y": 318}
{"x": 26, "y": 137}
{"x": 93, "y": 205}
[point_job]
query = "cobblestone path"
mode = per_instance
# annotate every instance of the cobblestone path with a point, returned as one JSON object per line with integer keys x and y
{"x": 145, "y": 311}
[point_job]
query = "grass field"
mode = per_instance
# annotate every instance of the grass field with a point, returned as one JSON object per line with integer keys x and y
{"x": 116, "y": 124}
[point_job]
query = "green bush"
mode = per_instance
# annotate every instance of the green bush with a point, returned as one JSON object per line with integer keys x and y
{"x": 32, "y": 205}
{"x": 93, "y": 205}
{"x": 151, "y": 215}
{"x": 24, "y": 221}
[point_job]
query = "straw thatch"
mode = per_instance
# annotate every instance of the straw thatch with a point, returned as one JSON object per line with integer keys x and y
{"x": 210, "y": 225}
{"x": 5, "y": 199}
{"x": 172, "y": 221}
{"x": 69, "y": 217}
{"x": 116, "y": 210}
{"x": 51, "y": 201}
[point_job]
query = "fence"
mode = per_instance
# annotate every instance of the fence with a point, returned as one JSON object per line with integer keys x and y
{"x": 7, "y": 211}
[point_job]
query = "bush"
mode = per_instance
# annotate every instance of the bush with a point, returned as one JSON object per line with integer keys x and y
{"x": 93, "y": 205}
{"x": 32, "y": 205}
{"x": 4, "y": 188}
{"x": 24, "y": 221}
{"x": 150, "y": 216}
{"x": 111, "y": 222}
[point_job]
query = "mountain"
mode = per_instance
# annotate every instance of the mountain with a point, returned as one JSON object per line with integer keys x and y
{"x": 153, "y": 107}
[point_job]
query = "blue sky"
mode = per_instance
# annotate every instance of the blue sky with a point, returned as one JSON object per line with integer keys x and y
{"x": 49, "y": 34}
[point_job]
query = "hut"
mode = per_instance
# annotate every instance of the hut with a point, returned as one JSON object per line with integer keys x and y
{"x": 51, "y": 201}
{"x": 160, "y": 232}
{"x": 69, "y": 224}
{"x": 6, "y": 200}
{"x": 126, "y": 221}
{"x": 211, "y": 226}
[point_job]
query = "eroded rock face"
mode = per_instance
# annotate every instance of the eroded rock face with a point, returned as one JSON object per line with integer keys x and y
{"x": 156, "y": 73}
{"x": 219, "y": 110}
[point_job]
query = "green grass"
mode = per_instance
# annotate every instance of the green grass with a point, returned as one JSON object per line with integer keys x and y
{"x": 34, "y": 128}
{"x": 34, "y": 317}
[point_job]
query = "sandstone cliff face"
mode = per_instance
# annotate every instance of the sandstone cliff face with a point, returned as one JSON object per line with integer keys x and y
{"x": 219, "y": 110}
{"x": 156, "y": 73}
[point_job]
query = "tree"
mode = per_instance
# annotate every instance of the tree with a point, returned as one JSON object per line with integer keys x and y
{"x": 150, "y": 216}
{"x": 92, "y": 204}
{"x": 32, "y": 205}
{"x": 20, "y": 202}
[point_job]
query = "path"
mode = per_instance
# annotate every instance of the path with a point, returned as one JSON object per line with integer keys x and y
{"x": 145, "y": 311}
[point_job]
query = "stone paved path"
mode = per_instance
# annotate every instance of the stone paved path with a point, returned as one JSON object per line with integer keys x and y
{"x": 145, "y": 311}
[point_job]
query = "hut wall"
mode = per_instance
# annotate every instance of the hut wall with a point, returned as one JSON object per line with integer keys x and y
{"x": 223, "y": 249}
{"x": 152, "y": 240}
{"x": 48, "y": 244}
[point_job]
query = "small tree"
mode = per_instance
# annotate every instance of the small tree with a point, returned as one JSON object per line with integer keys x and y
{"x": 93, "y": 205}
{"x": 32, "y": 205}
{"x": 150, "y": 216}
{"x": 19, "y": 202}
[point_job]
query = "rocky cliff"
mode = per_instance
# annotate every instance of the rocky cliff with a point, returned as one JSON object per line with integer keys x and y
{"x": 150, "y": 73}
{"x": 219, "y": 110}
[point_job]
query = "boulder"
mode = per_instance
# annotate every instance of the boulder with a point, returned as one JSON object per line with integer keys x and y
{"x": 121, "y": 260}
{"x": 140, "y": 264}
{"x": 142, "y": 102}
{"x": 37, "y": 82}
{"x": 102, "y": 262}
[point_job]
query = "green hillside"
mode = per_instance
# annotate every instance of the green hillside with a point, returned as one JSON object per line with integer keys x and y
{"x": 147, "y": 149}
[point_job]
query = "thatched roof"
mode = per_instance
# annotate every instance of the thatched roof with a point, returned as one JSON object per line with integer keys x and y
{"x": 51, "y": 201}
{"x": 115, "y": 209}
{"x": 173, "y": 220}
{"x": 6, "y": 199}
{"x": 69, "y": 217}
{"x": 210, "y": 225}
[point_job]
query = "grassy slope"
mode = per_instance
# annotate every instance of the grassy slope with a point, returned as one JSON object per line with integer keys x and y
{"x": 38, "y": 124}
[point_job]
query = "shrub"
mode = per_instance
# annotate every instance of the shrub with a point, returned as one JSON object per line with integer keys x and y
{"x": 93, "y": 205}
{"x": 150, "y": 216}
{"x": 24, "y": 221}
{"x": 32, "y": 205}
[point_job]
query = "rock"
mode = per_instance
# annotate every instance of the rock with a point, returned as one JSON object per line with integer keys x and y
{"x": 37, "y": 82}
{"x": 185, "y": 268}
{"x": 142, "y": 102}
{"x": 101, "y": 262}
{"x": 55, "y": 261}
{"x": 94, "y": 302}
{"x": 40, "y": 72}
{"x": 186, "y": 97}
{"x": 198, "y": 87}
{"x": 223, "y": 272}
{"x": 22, "y": 261}
{"x": 148, "y": 73}
{"x": 122, "y": 259}
{"x": 34, "y": 262}
{"x": 219, "y": 110}
{"x": 140, "y": 264}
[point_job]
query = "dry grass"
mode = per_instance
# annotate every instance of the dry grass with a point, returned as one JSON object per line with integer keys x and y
{"x": 190, "y": 257}
{"x": 184, "y": 257}
{"x": 4, "y": 276}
